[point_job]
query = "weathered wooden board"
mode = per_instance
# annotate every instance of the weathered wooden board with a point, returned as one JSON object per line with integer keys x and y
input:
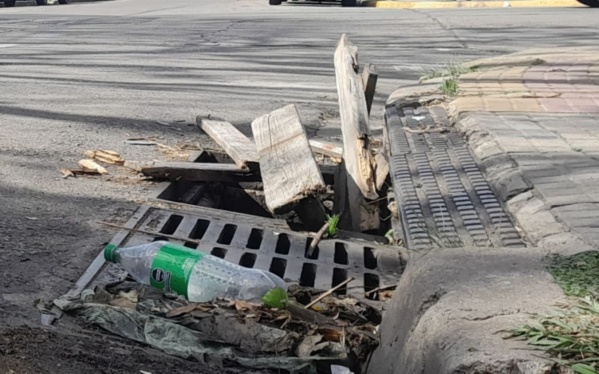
{"x": 193, "y": 171}
{"x": 287, "y": 165}
{"x": 241, "y": 149}
{"x": 355, "y": 128}
{"x": 326, "y": 148}
{"x": 370, "y": 75}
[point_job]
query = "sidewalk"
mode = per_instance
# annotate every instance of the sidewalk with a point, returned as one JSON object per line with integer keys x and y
{"x": 531, "y": 123}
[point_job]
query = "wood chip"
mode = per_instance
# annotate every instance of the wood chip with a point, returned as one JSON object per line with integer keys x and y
{"x": 106, "y": 156}
{"x": 92, "y": 165}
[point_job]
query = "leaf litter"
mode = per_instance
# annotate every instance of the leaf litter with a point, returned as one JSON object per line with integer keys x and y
{"x": 224, "y": 332}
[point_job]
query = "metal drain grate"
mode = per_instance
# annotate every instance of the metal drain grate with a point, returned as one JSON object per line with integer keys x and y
{"x": 443, "y": 197}
{"x": 283, "y": 253}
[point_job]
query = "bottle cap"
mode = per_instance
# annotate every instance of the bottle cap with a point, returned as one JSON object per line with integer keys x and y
{"x": 109, "y": 252}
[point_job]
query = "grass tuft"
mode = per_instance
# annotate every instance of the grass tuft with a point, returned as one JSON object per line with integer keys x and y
{"x": 450, "y": 87}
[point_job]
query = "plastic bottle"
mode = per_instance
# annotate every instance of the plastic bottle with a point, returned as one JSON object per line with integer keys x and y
{"x": 197, "y": 276}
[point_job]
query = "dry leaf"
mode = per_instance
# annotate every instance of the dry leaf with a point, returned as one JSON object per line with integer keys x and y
{"x": 331, "y": 335}
{"x": 385, "y": 295}
{"x": 182, "y": 310}
{"x": 244, "y": 305}
{"x": 74, "y": 172}
{"x": 66, "y": 173}
{"x": 308, "y": 345}
{"x": 92, "y": 165}
{"x": 106, "y": 156}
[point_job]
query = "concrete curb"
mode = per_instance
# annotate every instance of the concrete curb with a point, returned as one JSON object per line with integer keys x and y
{"x": 477, "y": 4}
{"x": 451, "y": 305}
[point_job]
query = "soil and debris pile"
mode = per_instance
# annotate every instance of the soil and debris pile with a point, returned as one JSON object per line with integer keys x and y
{"x": 338, "y": 330}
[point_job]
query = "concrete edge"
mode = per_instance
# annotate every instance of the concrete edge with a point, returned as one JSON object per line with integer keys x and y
{"x": 477, "y": 4}
{"x": 453, "y": 307}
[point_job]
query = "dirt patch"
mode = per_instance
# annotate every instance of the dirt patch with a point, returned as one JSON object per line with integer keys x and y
{"x": 26, "y": 350}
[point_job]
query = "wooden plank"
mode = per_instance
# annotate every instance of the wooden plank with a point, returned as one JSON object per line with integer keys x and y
{"x": 287, "y": 165}
{"x": 382, "y": 170}
{"x": 241, "y": 149}
{"x": 326, "y": 148}
{"x": 370, "y": 75}
{"x": 355, "y": 128}
{"x": 193, "y": 171}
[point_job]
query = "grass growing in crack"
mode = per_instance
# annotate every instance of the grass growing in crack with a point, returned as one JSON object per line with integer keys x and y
{"x": 450, "y": 87}
{"x": 537, "y": 61}
{"x": 577, "y": 275}
{"x": 572, "y": 336}
{"x": 451, "y": 70}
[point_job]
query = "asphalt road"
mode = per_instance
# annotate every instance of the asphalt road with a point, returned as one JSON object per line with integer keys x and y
{"x": 89, "y": 75}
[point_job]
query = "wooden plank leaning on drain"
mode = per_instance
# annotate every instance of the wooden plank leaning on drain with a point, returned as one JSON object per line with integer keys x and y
{"x": 193, "y": 171}
{"x": 370, "y": 75}
{"x": 289, "y": 171}
{"x": 241, "y": 149}
{"x": 357, "y": 157}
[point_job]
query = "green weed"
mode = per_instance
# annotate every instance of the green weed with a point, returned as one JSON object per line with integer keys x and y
{"x": 450, "y": 87}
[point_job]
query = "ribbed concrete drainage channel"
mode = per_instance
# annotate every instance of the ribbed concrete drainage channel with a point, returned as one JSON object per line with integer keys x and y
{"x": 442, "y": 197}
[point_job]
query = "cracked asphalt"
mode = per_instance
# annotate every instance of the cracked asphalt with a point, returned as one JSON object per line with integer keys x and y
{"x": 90, "y": 75}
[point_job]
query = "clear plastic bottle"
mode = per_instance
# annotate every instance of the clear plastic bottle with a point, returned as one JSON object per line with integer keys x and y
{"x": 197, "y": 276}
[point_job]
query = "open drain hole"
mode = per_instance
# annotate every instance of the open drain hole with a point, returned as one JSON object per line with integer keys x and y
{"x": 278, "y": 266}
{"x": 308, "y": 275}
{"x": 283, "y": 244}
{"x": 340, "y": 254}
{"x": 340, "y": 275}
{"x": 371, "y": 281}
{"x": 218, "y": 252}
{"x": 370, "y": 261}
{"x": 248, "y": 260}
{"x": 171, "y": 224}
{"x": 255, "y": 239}
{"x": 226, "y": 236}
{"x": 199, "y": 230}
{"x": 314, "y": 255}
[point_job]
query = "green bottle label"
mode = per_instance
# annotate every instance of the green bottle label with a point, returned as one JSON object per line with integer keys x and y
{"x": 172, "y": 268}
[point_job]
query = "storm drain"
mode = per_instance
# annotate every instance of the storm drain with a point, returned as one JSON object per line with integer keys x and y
{"x": 442, "y": 196}
{"x": 240, "y": 241}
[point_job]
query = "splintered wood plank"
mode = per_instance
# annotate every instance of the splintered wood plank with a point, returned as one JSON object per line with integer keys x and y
{"x": 241, "y": 149}
{"x": 382, "y": 170}
{"x": 287, "y": 165}
{"x": 370, "y": 75}
{"x": 192, "y": 171}
{"x": 326, "y": 148}
{"x": 358, "y": 159}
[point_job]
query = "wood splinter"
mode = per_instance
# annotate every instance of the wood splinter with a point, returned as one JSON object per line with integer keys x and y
{"x": 329, "y": 292}
{"x": 317, "y": 239}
